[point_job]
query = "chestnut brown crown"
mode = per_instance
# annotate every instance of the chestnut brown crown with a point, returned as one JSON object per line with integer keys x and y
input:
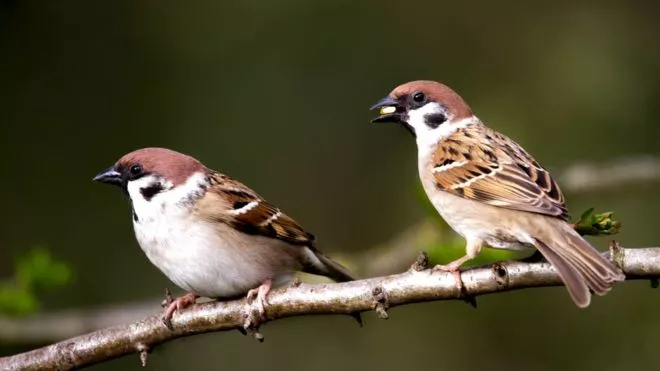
{"x": 411, "y": 96}
{"x": 432, "y": 91}
{"x": 174, "y": 166}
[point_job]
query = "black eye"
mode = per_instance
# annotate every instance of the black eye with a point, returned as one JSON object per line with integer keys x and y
{"x": 136, "y": 170}
{"x": 419, "y": 97}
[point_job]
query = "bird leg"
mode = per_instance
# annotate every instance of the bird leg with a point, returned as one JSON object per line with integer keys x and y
{"x": 176, "y": 305}
{"x": 454, "y": 266}
{"x": 259, "y": 295}
{"x": 472, "y": 249}
{"x": 455, "y": 269}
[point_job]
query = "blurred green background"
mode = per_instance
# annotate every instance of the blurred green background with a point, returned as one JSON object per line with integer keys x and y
{"x": 276, "y": 94}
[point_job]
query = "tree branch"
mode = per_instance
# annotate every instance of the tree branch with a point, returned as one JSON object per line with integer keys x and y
{"x": 416, "y": 285}
{"x": 380, "y": 260}
{"x": 50, "y": 327}
{"x": 619, "y": 172}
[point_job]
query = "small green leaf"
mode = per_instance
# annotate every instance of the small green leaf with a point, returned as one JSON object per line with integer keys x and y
{"x": 37, "y": 270}
{"x": 602, "y": 224}
{"x": 17, "y": 301}
{"x": 586, "y": 214}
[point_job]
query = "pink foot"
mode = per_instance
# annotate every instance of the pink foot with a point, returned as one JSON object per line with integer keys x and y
{"x": 453, "y": 268}
{"x": 259, "y": 295}
{"x": 176, "y": 305}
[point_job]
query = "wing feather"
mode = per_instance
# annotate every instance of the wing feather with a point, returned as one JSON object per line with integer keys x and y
{"x": 495, "y": 171}
{"x": 229, "y": 201}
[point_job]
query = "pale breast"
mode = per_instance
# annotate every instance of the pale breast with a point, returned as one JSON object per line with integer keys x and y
{"x": 206, "y": 257}
{"x": 472, "y": 219}
{"x": 214, "y": 261}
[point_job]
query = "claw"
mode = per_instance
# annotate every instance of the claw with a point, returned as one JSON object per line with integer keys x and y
{"x": 455, "y": 270}
{"x": 256, "y": 297}
{"x": 177, "y": 304}
{"x": 168, "y": 299}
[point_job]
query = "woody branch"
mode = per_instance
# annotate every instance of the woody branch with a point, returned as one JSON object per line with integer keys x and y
{"x": 416, "y": 285}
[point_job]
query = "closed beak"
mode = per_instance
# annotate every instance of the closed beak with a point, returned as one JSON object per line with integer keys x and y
{"x": 109, "y": 176}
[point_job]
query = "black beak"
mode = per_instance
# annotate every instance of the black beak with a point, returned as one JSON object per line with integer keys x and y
{"x": 390, "y": 111}
{"x": 109, "y": 176}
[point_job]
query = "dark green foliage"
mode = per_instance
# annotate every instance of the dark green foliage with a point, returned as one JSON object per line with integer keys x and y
{"x": 36, "y": 271}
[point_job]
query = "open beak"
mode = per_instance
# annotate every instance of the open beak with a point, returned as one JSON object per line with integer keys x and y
{"x": 109, "y": 176}
{"x": 390, "y": 110}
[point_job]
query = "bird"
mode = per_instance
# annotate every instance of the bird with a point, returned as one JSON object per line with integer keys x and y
{"x": 210, "y": 234}
{"x": 490, "y": 190}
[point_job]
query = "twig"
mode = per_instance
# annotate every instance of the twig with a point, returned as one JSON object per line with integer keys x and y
{"x": 342, "y": 298}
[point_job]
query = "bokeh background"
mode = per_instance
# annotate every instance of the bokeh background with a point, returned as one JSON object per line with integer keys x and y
{"x": 276, "y": 94}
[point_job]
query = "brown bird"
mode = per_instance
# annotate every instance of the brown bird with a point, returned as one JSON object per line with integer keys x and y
{"x": 490, "y": 190}
{"x": 210, "y": 234}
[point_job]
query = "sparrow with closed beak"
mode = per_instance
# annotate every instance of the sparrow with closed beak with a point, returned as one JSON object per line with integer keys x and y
{"x": 490, "y": 190}
{"x": 210, "y": 234}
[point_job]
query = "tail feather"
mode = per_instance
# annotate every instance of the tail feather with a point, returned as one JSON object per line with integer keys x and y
{"x": 601, "y": 272}
{"x": 572, "y": 279}
{"x": 578, "y": 263}
{"x": 319, "y": 263}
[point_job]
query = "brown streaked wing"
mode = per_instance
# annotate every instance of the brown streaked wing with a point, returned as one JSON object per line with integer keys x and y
{"x": 263, "y": 219}
{"x": 501, "y": 175}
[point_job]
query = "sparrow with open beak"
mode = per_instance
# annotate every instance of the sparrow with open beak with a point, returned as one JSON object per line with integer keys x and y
{"x": 210, "y": 234}
{"x": 490, "y": 190}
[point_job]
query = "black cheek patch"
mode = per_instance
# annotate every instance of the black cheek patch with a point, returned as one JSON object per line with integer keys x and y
{"x": 433, "y": 120}
{"x": 149, "y": 192}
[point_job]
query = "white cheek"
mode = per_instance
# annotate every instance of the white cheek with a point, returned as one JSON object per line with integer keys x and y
{"x": 169, "y": 196}
{"x": 428, "y": 137}
{"x": 134, "y": 187}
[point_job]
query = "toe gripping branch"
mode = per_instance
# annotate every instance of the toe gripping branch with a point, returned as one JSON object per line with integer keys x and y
{"x": 422, "y": 264}
{"x": 254, "y": 317}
